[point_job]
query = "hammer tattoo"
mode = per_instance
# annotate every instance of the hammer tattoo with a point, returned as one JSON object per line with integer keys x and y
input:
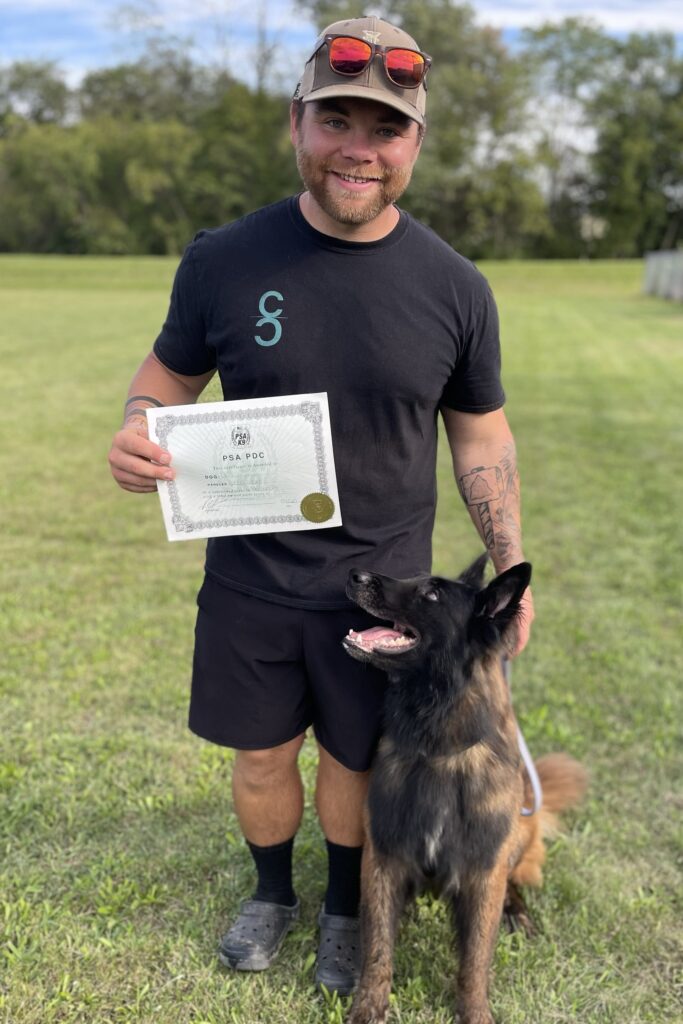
{"x": 479, "y": 488}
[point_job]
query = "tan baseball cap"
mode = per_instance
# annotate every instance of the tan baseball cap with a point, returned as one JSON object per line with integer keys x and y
{"x": 320, "y": 82}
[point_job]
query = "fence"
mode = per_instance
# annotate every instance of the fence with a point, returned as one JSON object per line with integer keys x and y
{"x": 664, "y": 275}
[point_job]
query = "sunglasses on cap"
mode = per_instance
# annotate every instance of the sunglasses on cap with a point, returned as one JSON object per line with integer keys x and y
{"x": 350, "y": 56}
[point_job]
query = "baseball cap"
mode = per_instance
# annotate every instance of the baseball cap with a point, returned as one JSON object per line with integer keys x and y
{"x": 320, "y": 82}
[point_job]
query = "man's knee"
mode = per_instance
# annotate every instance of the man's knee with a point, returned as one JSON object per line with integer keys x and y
{"x": 330, "y": 766}
{"x": 261, "y": 769}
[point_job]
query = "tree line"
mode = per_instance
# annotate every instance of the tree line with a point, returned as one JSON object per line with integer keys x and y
{"x": 565, "y": 145}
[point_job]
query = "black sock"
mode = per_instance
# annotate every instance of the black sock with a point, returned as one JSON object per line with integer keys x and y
{"x": 274, "y": 868}
{"x": 343, "y": 884}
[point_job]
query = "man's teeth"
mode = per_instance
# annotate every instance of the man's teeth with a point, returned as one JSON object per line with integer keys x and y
{"x": 350, "y": 177}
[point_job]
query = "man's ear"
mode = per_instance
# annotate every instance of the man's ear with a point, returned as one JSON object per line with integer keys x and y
{"x": 474, "y": 575}
{"x": 500, "y": 600}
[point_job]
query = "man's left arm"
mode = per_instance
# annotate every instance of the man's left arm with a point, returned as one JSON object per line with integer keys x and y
{"x": 485, "y": 467}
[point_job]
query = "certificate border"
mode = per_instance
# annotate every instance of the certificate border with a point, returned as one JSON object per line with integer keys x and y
{"x": 164, "y": 424}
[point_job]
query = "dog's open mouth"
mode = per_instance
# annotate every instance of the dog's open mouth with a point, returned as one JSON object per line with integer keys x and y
{"x": 383, "y": 639}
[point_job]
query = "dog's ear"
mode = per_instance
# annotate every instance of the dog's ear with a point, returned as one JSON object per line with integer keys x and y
{"x": 500, "y": 600}
{"x": 474, "y": 576}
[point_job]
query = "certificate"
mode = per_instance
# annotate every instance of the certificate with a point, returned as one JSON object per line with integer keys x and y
{"x": 254, "y": 466}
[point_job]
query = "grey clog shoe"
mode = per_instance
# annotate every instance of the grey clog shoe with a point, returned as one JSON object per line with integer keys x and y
{"x": 254, "y": 940}
{"x": 338, "y": 963}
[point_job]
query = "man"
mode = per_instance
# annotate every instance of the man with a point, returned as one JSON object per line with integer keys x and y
{"x": 355, "y": 298}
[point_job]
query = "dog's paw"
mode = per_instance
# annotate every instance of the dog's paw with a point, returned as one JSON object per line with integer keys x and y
{"x": 516, "y": 917}
{"x": 368, "y": 1009}
{"x": 482, "y": 1016}
{"x": 519, "y": 921}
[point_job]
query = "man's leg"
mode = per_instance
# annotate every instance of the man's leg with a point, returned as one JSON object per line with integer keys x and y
{"x": 268, "y": 798}
{"x": 268, "y": 794}
{"x": 347, "y": 707}
{"x": 340, "y": 798}
{"x": 250, "y": 691}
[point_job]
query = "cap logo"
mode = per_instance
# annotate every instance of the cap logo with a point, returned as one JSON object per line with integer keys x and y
{"x": 371, "y": 37}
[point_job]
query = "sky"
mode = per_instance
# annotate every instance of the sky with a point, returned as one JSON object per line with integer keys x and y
{"x": 83, "y": 34}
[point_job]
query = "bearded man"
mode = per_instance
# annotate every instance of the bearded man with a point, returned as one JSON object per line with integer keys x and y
{"x": 359, "y": 300}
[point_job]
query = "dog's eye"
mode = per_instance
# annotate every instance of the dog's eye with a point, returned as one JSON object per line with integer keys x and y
{"x": 431, "y": 595}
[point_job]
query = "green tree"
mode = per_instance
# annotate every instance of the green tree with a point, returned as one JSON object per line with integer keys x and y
{"x": 96, "y": 187}
{"x": 48, "y": 188}
{"x": 164, "y": 84}
{"x": 568, "y": 61}
{"x": 244, "y": 159}
{"x": 610, "y": 143}
{"x": 144, "y": 186}
{"x": 638, "y": 161}
{"x": 33, "y": 91}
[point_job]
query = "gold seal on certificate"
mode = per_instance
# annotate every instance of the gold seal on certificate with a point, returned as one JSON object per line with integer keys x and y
{"x": 242, "y": 467}
{"x": 317, "y": 508}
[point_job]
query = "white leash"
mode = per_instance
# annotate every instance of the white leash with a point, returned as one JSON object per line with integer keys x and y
{"x": 526, "y": 756}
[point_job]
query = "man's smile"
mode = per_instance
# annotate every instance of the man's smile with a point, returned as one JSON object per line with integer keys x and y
{"x": 354, "y": 182}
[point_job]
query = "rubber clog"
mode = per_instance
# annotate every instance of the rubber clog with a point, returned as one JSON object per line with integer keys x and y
{"x": 338, "y": 962}
{"x": 254, "y": 940}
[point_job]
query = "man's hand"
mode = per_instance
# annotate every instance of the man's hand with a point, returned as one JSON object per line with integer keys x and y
{"x": 525, "y": 617}
{"x": 135, "y": 461}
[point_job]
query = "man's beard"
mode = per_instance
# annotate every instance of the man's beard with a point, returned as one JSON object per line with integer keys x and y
{"x": 356, "y": 208}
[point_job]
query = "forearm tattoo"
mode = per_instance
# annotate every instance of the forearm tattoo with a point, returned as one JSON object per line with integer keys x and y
{"x": 491, "y": 494}
{"x": 144, "y": 398}
{"x": 139, "y": 410}
{"x": 130, "y": 413}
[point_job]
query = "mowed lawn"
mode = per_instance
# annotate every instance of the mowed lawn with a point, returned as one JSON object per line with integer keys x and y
{"x": 120, "y": 859}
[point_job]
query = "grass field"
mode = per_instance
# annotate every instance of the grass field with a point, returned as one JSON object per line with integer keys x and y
{"x": 120, "y": 858}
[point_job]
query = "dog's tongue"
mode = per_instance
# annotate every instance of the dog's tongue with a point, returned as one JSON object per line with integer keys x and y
{"x": 374, "y": 635}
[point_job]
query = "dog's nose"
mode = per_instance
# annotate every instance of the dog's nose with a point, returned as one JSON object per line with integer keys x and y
{"x": 359, "y": 576}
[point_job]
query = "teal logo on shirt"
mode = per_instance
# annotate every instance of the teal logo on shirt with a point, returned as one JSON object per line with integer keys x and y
{"x": 269, "y": 318}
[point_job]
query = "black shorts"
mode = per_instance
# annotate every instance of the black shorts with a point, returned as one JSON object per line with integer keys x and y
{"x": 263, "y": 673}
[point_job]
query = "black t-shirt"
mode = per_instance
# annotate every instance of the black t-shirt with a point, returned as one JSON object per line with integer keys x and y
{"x": 390, "y": 329}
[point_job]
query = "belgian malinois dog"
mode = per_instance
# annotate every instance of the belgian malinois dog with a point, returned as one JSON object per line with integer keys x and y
{"x": 448, "y": 785}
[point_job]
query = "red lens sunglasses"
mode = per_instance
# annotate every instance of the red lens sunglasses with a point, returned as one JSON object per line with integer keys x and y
{"x": 351, "y": 56}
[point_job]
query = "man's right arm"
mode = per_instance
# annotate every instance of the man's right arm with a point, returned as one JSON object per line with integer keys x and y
{"x": 135, "y": 461}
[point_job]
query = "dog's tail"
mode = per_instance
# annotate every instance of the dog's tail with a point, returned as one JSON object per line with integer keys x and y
{"x": 564, "y": 783}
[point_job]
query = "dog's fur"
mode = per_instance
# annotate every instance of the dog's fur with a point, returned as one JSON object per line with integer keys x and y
{"x": 448, "y": 785}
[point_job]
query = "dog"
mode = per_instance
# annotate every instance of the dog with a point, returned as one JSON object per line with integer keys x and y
{"x": 447, "y": 785}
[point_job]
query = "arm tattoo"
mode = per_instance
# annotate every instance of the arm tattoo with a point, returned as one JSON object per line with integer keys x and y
{"x": 144, "y": 398}
{"x": 479, "y": 488}
{"x": 134, "y": 412}
{"x": 491, "y": 493}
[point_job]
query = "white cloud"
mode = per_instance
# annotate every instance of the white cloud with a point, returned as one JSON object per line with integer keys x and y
{"x": 182, "y": 15}
{"x": 82, "y": 34}
{"x": 171, "y": 13}
{"x": 614, "y": 15}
